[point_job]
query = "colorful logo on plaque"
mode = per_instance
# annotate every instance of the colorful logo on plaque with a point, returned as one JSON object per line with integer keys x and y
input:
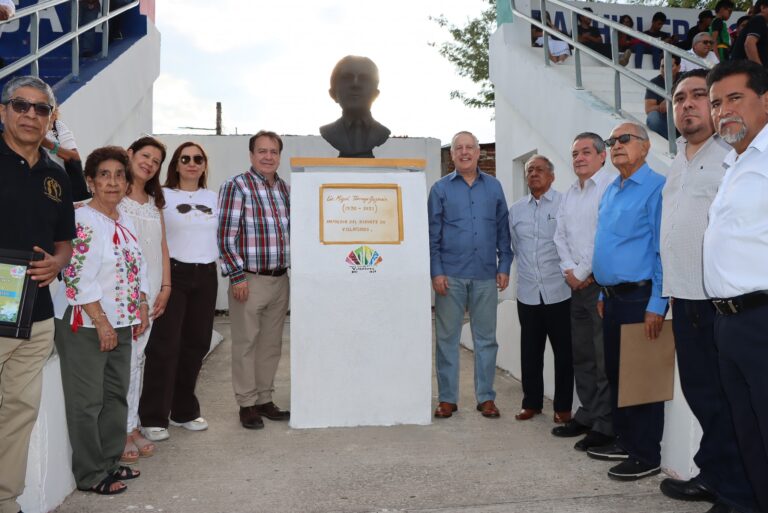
{"x": 364, "y": 258}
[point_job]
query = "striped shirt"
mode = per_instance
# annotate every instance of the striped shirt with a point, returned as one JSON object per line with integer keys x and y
{"x": 254, "y": 226}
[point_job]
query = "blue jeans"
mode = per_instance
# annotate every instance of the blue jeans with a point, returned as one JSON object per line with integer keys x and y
{"x": 481, "y": 298}
{"x": 641, "y": 49}
{"x": 657, "y": 122}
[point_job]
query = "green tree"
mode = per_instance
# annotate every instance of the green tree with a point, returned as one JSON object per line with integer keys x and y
{"x": 468, "y": 51}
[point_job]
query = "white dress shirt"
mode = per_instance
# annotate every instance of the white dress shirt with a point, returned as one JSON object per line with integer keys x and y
{"x": 711, "y": 59}
{"x": 532, "y": 223}
{"x": 577, "y": 222}
{"x": 736, "y": 240}
{"x": 687, "y": 195}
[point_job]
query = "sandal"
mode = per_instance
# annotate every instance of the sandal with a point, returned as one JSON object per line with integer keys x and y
{"x": 104, "y": 487}
{"x": 144, "y": 446}
{"x": 124, "y": 473}
{"x": 130, "y": 452}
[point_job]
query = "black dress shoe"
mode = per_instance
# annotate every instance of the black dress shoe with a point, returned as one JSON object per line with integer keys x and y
{"x": 721, "y": 507}
{"x": 593, "y": 439}
{"x": 611, "y": 452}
{"x": 272, "y": 412}
{"x": 570, "y": 429}
{"x": 250, "y": 418}
{"x": 691, "y": 490}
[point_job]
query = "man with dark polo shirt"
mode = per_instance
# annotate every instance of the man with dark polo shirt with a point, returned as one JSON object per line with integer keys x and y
{"x": 752, "y": 43}
{"x": 36, "y": 206}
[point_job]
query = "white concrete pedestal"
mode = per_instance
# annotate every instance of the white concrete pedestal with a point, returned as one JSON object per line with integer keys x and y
{"x": 360, "y": 334}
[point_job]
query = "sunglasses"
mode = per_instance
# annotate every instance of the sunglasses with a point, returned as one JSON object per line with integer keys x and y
{"x": 22, "y": 106}
{"x": 623, "y": 139}
{"x": 199, "y": 159}
{"x": 707, "y": 42}
{"x": 183, "y": 208}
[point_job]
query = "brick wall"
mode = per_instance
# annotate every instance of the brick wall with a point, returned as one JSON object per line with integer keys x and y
{"x": 487, "y": 162}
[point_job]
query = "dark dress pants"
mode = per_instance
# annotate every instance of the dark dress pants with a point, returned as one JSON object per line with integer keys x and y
{"x": 693, "y": 323}
{"x": 537, "y": 322}
{"x": 179, "y": 341}
{"x": 589, "y": 362}
{"x": 742, "y": 340}
{"x": 638, "y": 428}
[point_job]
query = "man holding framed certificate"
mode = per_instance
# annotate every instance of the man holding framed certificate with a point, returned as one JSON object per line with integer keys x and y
{"x": 36, "y": 204}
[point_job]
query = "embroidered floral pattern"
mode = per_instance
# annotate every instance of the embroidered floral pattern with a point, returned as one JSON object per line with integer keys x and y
{"x": 80, "y": 247}
{"x": 128, "y": 276}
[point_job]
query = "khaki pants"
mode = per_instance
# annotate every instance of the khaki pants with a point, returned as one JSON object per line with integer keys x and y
{"x": 257, "y": 337}
{"x": 21, "y": 383}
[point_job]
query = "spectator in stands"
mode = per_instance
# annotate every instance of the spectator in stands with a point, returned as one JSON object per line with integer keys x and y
{"x": 143, "y": 206}
{"x": 627, "y": 266}
{"x": 702, "y": 48}
{"x": 38, "y": 208}
{"x": 719, "y": 29}
{"x": 753, "y": 39}
{"x": 641, "y": 48}
{"x": 61, "y": 145}
{"x": 737, "y": 28}
{"x": 626, "y": 42}
{"x": 705, "y": 20}
{"x": 7, "y": 9}
{"x": 180, "y": 339}
{"x": 115, "y": 24}
{"x": 99, "y": 310}
{"x": 89, "y": 11}
{"x": 588, "y": 35}
{"x": 559, "y": 50}
{"x": 655, "y": 105}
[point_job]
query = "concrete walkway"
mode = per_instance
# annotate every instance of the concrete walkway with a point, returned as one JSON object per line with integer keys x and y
{"x": 465, "y": 464}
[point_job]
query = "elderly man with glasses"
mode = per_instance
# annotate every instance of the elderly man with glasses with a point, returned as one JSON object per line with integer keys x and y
{"x": 36, "y": 202}
{"x": 627, "y": 266}
{"x": 701, "y": 48}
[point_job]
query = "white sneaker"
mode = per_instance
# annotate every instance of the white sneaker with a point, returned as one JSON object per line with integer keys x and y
{"x": 199, "y": 424}
{"x": 155, "y": 434}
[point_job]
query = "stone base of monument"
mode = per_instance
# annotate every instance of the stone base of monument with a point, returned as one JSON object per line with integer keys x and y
{"x": 360, "y": 293}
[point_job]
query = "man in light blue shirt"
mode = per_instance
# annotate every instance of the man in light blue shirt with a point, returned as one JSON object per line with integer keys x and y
{"x": 470, "y": 258}
{"x": 543, "y": 296}
{"x": 627, "y": 265}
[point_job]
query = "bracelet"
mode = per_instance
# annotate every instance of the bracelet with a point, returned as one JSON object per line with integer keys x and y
{"x": 98, "y": 316}
{"x": 55, "y": 149}
{"x": 143, "y": 302}
{"x": 165, "y": 285}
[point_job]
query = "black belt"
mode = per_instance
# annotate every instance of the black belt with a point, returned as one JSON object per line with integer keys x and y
{"x": 623, "y": 288}
{"x": 738, "y": 304}
{"x": 176, "y": 262}
{"x": 272, "y": 272}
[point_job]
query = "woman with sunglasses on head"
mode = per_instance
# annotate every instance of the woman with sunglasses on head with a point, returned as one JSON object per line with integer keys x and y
{"x": 143, "y": 206}
{"x": 181, "y": 338}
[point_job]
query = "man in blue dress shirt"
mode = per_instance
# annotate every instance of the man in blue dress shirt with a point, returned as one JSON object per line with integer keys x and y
{"x": 470, "y": 257}
{"x": 543, "y": 296}
{"x": 627, "y": 265}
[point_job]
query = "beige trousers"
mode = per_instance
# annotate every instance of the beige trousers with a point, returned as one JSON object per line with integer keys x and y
{"x": 21, "y": 383}
{"x": 257, "y": 337}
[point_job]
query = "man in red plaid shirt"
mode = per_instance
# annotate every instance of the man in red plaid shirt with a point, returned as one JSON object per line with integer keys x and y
{"x": 253, "y": 239}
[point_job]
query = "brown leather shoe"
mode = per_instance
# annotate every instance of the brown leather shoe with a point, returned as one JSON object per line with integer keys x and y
{"x": 526, "y": 414}
{"x": 445, "y": 410}
{"x": 250, "y": 418}
{"x": 561, "y": 417}
{"x": 272, "y": 412}
{"x": 488, "y": 409}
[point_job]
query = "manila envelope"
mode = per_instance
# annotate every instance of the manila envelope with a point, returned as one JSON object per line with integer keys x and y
{"x": 646, "y": 367}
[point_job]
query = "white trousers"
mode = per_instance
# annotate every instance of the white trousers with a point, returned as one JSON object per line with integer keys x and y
{"x": 137, "y": 378}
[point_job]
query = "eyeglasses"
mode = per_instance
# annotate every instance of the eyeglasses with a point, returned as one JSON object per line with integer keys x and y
{"x": 707, "y": 42}
{"x": 199, "y": 159}
{"x": 623, "y": 139}
{"x": 183, "y": 208}
{"x": 21, "y": 106}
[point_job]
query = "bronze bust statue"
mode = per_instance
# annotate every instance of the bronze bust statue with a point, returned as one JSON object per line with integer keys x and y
{"x": 354, "y": 86}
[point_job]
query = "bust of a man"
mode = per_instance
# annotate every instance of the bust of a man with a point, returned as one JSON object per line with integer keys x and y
{"x": 354, "y": 86}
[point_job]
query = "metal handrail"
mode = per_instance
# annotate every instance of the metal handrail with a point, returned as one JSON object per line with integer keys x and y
{"x": 619, "y": 70}
{"x": 75, "y": 30}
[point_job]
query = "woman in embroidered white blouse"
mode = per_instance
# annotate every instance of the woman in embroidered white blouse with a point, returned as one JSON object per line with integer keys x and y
{"x": 100, "y": 309}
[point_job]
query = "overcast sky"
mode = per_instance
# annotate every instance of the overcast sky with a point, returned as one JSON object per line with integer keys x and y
{"x": 269, "y": 63}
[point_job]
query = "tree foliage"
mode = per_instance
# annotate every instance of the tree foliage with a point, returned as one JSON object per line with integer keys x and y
{"x": 468, "y": 52}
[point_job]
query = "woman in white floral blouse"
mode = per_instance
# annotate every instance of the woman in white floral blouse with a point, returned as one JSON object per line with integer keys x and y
{"x": 100, "y": 309}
